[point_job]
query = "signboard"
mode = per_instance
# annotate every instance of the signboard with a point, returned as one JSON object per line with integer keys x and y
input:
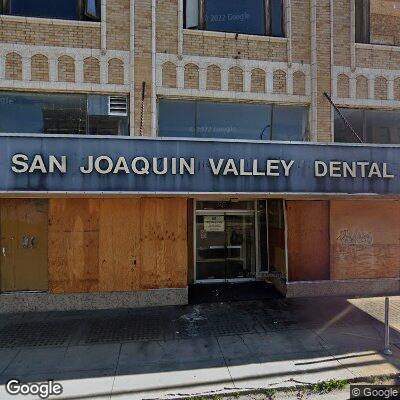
{"x": 214, "y": 223}
{"x": 84, "y": 164}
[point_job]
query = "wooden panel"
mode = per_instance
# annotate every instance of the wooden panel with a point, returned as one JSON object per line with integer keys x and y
{"x": 73, "y": 245}
{"x": 119, "y": 245}
{"x": 23, "y": 244}
{"x": 365, "y": 239}
{"x": 164, "y": 243}
{"x": 176, "y": 242}
{"x": 308, "y": 240}
{"x": 190, "y": 240}
{"x": 151, "y": 245}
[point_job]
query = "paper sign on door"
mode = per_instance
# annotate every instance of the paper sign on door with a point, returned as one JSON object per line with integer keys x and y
{"x": 214, "y": 223}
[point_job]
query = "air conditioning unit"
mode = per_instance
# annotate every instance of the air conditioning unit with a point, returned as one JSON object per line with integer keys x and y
{"x": 118, "y": 105}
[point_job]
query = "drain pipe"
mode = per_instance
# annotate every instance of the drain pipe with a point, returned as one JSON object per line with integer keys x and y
{"x": 132, "y": 69}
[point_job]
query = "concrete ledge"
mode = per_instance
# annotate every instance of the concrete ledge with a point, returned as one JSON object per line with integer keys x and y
{"x": 30, "y": 301}
{"x": 354, "y": 287}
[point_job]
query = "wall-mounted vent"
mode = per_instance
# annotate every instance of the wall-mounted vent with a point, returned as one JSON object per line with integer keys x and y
{"x": 118, "y": 105}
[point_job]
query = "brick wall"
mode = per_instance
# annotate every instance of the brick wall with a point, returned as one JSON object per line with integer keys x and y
{"x": 231, "y": 49}
{"x": 48, "y": 34}
{"x": 118, "y": 27}
{"x": 323, "y": 49}
{"x": 143, "y": 67}
{"x": 216, "y": 45}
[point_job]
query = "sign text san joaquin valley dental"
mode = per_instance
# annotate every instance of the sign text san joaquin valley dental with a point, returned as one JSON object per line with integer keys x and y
{"x": 139, "y": 165}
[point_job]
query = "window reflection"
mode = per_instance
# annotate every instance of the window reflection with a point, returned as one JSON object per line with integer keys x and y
{"x": 254, "y": 17}
{"x": 65, "y": 9}
{"x": 377, "y": 22}
{"x": 235, "y": 16}
{"x": 59, "y": 114}
{"x": 60, "y": 9}
{"x": 232, "y": 120}
{"x": 373, "y": 126}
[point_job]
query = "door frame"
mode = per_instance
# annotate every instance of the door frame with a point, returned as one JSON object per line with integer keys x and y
{"x": 225, "y": 212}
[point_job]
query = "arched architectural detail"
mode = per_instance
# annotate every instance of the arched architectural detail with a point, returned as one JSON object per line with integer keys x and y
{"x": 169, "y": 74}
{"x": 115, "y": 71}
{"x": 361, "y": 87}
{"x": 258, "y": 80}
{"x": 381, "y": 88}
{"x": 66, "y": 69}
{"x": 39, "y": 68}
{"x": 396, "y": 89}
{"x": 280, "y": 82}
{"x": 191, "y": 76}
{"x": 91, "y": 70}
{"x": 299, "y": 83}
{"x": 13, "y": 66}
{"x": 343, "y": 86}
{"x": 235, "y": 79}
{"x": 213, "y": 78}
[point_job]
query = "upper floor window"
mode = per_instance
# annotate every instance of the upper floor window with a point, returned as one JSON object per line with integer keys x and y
{"x": 226, "y": 120}
{"x": 63, "y": 114}
{"x": 88, "y": 10}
{"x": 377, "y": 22}
{"x": 372, "y": 126}
{"x": 255, "y": 17}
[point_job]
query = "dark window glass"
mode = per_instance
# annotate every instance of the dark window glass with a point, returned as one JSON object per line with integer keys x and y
{"x": 382, "y": 127}
{"x": 176, "y": 118}
{"x": 230, "y": 120}
{"x": 37, "y": 113}
{"x": 63, "y": 9}
{"x": 255, "y": 17}
{"x": 58, "y": 114}
{"x": 262, "y": 234}
{"x": 276, "y": 14}
{"x": 224, "y": 205}
{"x": 362, "y": 21}
{"x": 107, "y": 125}
{"x": 373, "y": 126}
{"x": 289, "y": 123}
{"x": 244, "y": 16}
{"x": 276, "y": 236}
{"x": 343, "y": 133}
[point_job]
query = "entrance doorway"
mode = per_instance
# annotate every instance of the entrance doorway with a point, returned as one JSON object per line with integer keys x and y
{"x": 23, "y": 245}
{"x": 239, "y": 241}
{"x": 225, "y": 245}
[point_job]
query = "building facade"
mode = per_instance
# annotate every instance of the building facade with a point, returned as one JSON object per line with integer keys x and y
{"x": 185, "y": 106}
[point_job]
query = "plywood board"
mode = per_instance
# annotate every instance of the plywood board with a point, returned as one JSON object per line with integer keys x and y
{"x": 308, "y": 240}
{"x": 73, "y": 245}
{"x": 164, "y": 243}
{"x": 176, "y": 242}
{"x": 119, "y": 245}
{"x": 365, "y": 239}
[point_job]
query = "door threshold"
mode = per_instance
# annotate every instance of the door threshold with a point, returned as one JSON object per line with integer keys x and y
{"x": 238, "y": 280}
{"x": 23, "y": 292}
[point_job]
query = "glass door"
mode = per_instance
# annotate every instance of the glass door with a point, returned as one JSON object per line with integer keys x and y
{"x": 225, "y": 246}
{"x": 210, "y": 247}
{"x": 240, "y": 246}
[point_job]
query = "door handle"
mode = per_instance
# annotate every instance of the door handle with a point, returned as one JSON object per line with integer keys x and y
{"x": 3, "y": 250}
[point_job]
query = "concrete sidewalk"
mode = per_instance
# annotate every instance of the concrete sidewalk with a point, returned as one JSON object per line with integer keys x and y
{"x": 204, "y": 349}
